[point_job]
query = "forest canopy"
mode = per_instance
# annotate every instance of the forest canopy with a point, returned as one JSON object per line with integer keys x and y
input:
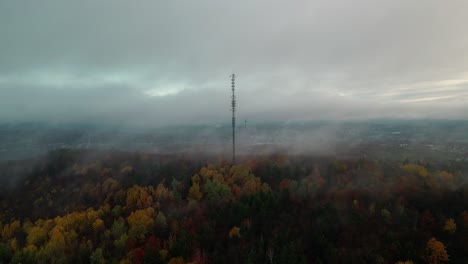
{"x": 121, "y": 207}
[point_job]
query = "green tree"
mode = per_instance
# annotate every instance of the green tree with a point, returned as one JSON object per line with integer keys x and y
{"x": 97, "y": 257}
{"x": 118, "y": 228}
{"x": 216, "y": 191}
{"x": 161, "y": 220}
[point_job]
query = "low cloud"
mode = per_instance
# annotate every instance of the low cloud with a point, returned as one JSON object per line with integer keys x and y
{"x": 169, "y": 62}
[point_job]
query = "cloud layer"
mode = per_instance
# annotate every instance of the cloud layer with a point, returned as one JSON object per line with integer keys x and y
{"x": 168, "y": 62}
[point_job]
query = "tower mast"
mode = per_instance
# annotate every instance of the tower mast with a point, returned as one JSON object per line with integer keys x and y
{"x": 233, "y": 105}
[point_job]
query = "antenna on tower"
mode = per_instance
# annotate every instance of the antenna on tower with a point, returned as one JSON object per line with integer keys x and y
{"x": 233, "y": 109}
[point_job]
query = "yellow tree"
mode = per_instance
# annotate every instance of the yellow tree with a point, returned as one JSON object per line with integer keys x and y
{"x": 241, "y": 174}
{"x": 234, "y": 232}
{"x": 207, "y": 173}
{"x": 140, "y": 222}
{"x": 36, "y": 235}
{"x": 450, "y": 226}
{"x": 98, "y": 225}
{"x": 10, "y": 229}
{"x": 162, "y": 192}
{"x": 139, "y": 197}
{"x": 252, "y": 186}
{"x": 435, "y": 252}
{"x": 57, "y": 241}
{"x": 415, "y": 169}
{"x": 195, "y": 193}
{"x": 110, "y": 185}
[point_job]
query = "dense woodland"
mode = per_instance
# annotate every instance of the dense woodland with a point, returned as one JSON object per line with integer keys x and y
{"x": 116, "y": 207}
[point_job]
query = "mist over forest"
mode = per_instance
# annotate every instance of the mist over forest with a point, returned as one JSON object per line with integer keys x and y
{"x": 250, "y": 131}
{"x": 379, "y": 191}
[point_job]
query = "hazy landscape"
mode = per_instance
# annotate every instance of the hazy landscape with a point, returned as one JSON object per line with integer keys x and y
{"x": 247, "y": 131}
{"x": 393, "y": 139}
{"x": 334, "y": 192}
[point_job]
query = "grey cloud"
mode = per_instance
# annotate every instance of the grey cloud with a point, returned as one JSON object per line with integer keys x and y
{"x": 88, "y": 60}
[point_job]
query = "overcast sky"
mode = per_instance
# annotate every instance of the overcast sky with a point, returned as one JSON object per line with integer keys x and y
{"x": 168, "y": 62}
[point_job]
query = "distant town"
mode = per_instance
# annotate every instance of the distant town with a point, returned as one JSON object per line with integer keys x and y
{"x": 398, "y": 140}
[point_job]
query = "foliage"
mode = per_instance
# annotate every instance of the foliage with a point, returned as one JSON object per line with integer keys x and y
{"x": 415, "y": 169}
{"x": 140, "y": 222}
{"x": 216, "y": 191}
{"x": 450, "y": 226}
{"x": 97, "y": 257}
{"x": 161, "y": 221}
{"x": 194, "y": 192}
{"x": 435, "y": 252}
{"x": 279, "y": 209}
{"x": 36, "y": 235}
{"x": 234, "y": 232}
{"x": 139, "y": 197}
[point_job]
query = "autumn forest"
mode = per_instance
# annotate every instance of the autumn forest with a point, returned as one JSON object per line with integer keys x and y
{"x": 77, "y": 206}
